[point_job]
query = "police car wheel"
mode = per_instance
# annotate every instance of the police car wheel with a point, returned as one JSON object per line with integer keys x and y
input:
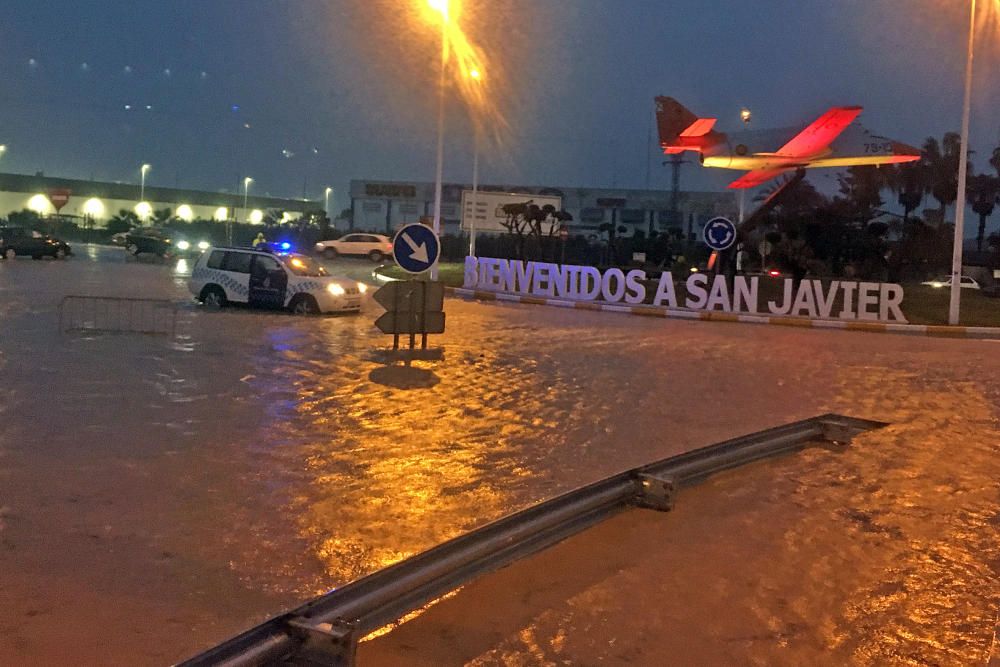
{"x": 305, "y": 305}
{"x": 9, "y": 253}
{"x": 60, "y": 253}
{"x": 330, "y": 253}
{"x": 132, "y": 248}
{"x": 213, "y": 296}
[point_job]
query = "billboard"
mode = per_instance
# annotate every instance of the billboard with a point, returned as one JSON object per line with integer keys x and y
{"x": 488, "y": 208}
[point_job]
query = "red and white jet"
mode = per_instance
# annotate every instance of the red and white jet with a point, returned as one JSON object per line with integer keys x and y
{"x": 832, "y": 140}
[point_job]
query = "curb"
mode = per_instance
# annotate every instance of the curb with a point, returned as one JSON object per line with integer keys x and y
{"x": 939, "y": 331}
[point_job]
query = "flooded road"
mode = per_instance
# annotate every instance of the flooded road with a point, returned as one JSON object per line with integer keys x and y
{"x": 156, "y": 496}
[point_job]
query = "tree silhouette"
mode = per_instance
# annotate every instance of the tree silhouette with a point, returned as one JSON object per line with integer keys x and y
{"x": 982, "y": 193}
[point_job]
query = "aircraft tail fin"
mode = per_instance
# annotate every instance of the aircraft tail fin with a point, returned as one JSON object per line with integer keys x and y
{"x": 680, "y": 129}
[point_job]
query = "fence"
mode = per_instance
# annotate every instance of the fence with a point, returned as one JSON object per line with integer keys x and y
{"x": 326, "y": 630}
{"x": 109, "y": 314}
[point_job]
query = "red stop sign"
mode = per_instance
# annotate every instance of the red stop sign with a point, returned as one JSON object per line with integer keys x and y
{"x": 59, "y": 198}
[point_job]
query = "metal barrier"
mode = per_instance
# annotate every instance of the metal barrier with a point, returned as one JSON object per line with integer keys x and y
{"x": 326, "y": 630}
{"x": 110, "y": 314}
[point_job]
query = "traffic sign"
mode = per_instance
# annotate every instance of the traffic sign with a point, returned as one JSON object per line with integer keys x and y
{"x": 719, "y": 233}
{"x": 401, "y": 296}
{"x": 416, "y": 248}
{"x": 59, "y": 198}
{"x": 410, "y": 323}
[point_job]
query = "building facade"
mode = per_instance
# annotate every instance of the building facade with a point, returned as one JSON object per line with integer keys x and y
{"x": 386, "y": 205}
{"x": 96, "y": 202}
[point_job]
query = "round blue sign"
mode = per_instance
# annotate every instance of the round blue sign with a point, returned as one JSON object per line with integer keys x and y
{"x": 719, "y": 233}
{"x": 416, "y": 248}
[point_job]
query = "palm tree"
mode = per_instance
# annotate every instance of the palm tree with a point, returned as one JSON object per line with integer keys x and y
{"x": 941, "y": 161}
{"x": 909, "y": 182}
{"x": 983, "y": 193}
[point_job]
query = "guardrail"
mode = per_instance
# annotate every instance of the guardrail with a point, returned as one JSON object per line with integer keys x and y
{"x": 111, "y": 314}
{"x": 326, "y": 630}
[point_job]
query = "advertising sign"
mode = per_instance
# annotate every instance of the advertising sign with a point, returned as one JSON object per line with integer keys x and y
{"x": 488, "y": 208}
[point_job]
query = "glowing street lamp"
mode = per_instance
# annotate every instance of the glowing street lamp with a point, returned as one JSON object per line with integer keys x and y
{"x": 142, "y": 181}
{"x": 745, "y": 115}
{"x": 956, "y": 254}
{"x": 326, "y": 201}
{"x": 3, "y": 149}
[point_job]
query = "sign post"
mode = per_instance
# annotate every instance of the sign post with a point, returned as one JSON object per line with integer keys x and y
{"x": 412, "y": 306}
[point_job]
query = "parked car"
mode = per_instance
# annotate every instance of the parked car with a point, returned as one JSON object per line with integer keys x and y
{"x": 265, "y": 279}
{"x": 16, "y": 241}
{"x": 945, "y": 281}
{"x": 119, "y": 239}
{"x": 373, "y": 246}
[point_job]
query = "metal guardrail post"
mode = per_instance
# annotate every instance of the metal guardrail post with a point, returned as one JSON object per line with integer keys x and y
{"x": 326, "y": 629}
{"x": 117, "y": 315}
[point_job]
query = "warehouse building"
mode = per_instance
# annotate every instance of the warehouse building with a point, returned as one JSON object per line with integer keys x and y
{"x": 96, "y": 202}
{"x": 386, "y": 205}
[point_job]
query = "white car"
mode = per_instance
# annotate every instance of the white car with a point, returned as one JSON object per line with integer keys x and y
{"x": 945, "y": 281}
{"x": 373, "y": 246}
{"x": 271, "y": 280}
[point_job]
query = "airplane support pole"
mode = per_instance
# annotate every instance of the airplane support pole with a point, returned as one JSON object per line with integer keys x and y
{"x": 956, "y": 255}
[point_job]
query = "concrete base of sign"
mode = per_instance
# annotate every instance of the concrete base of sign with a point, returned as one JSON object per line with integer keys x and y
{"x": 716, "y": 316}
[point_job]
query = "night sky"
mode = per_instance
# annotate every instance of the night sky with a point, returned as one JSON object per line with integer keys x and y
{"x": 347, "y": 89}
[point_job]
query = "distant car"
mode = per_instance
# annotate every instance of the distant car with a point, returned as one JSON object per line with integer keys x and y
{"x": 16, "y": 241}
{"x": 265, "y": 279}
{"x": 373, "y": 246}
{"x": 119, "y": 239}
{"x": 945, "y": 281}
{"x": 162, "y": 243}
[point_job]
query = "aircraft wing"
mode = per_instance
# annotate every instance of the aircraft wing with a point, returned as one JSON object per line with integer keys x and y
{"x": 817, "y": 136}
{"x": 754, "y": 178}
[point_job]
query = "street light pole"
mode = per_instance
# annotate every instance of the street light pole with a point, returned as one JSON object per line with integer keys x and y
{"x": 440, "y": 142}
{"x": 956, "y": 254}
{"x": 326, "y": 201}
{"x": 142, "y": 182}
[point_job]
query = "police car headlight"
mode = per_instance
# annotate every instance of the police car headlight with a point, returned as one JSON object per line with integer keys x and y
{"x": 183, "y": 245}
{"x": 362, "y": 288}
{"x": 335, "y": 289}
{"x": 202, "y": 245}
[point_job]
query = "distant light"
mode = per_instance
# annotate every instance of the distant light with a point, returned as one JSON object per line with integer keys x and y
{"x": 128, "y": 69}
{"x": 203, "y": 245}
{"x": 84, "y": 66}
{"x": 149, "y": 107}
{"x": 475, "y": 74}
{"x": 235, "y": 108}
{"x": 128, "y": 107}
{"x": 287, "y": 153}
{"x": 246, "y": 125}
{"x": 94, "y": 208}
{"x": 774, "y": 272}
{"x": 362, "y": 288}
{"x": 144, "y": 210}
{"x": 315, "y": 151}
{"x": 256, "y": 216}
{"x": 694, "y": 269}
{"x": 204, "y": 75}
{"x": 185, "y": 213}
{"x": 247, "y": 181}
{"x": 3, "y": 148}
{"x": 183, "y": 245}
{"x": 32, "y": 62}
{"x": 745, "y": 115}
{"x": 221, "y": 214}
{"x": 145, "y": 168}
{"x": 167, "y": 72}
{"x": 40, "y": 204}
{"x": 285, "y": 246}
{"x": 440, "y": 6}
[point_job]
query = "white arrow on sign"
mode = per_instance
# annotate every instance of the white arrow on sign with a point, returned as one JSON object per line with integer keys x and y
{"x": 419, "y": 251}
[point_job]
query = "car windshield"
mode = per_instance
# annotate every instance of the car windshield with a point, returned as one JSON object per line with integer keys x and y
{"x": 301, "y": 265}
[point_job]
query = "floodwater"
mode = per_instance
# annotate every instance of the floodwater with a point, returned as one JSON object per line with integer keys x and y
{"x": 157, "y": 496}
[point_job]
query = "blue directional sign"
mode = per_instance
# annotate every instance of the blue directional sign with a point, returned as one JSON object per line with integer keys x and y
{"x": 416, "y": 248}
{"x": 719, "y": 233}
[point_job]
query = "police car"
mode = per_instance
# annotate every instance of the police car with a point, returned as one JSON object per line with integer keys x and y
{"x": 266, "y": 279}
